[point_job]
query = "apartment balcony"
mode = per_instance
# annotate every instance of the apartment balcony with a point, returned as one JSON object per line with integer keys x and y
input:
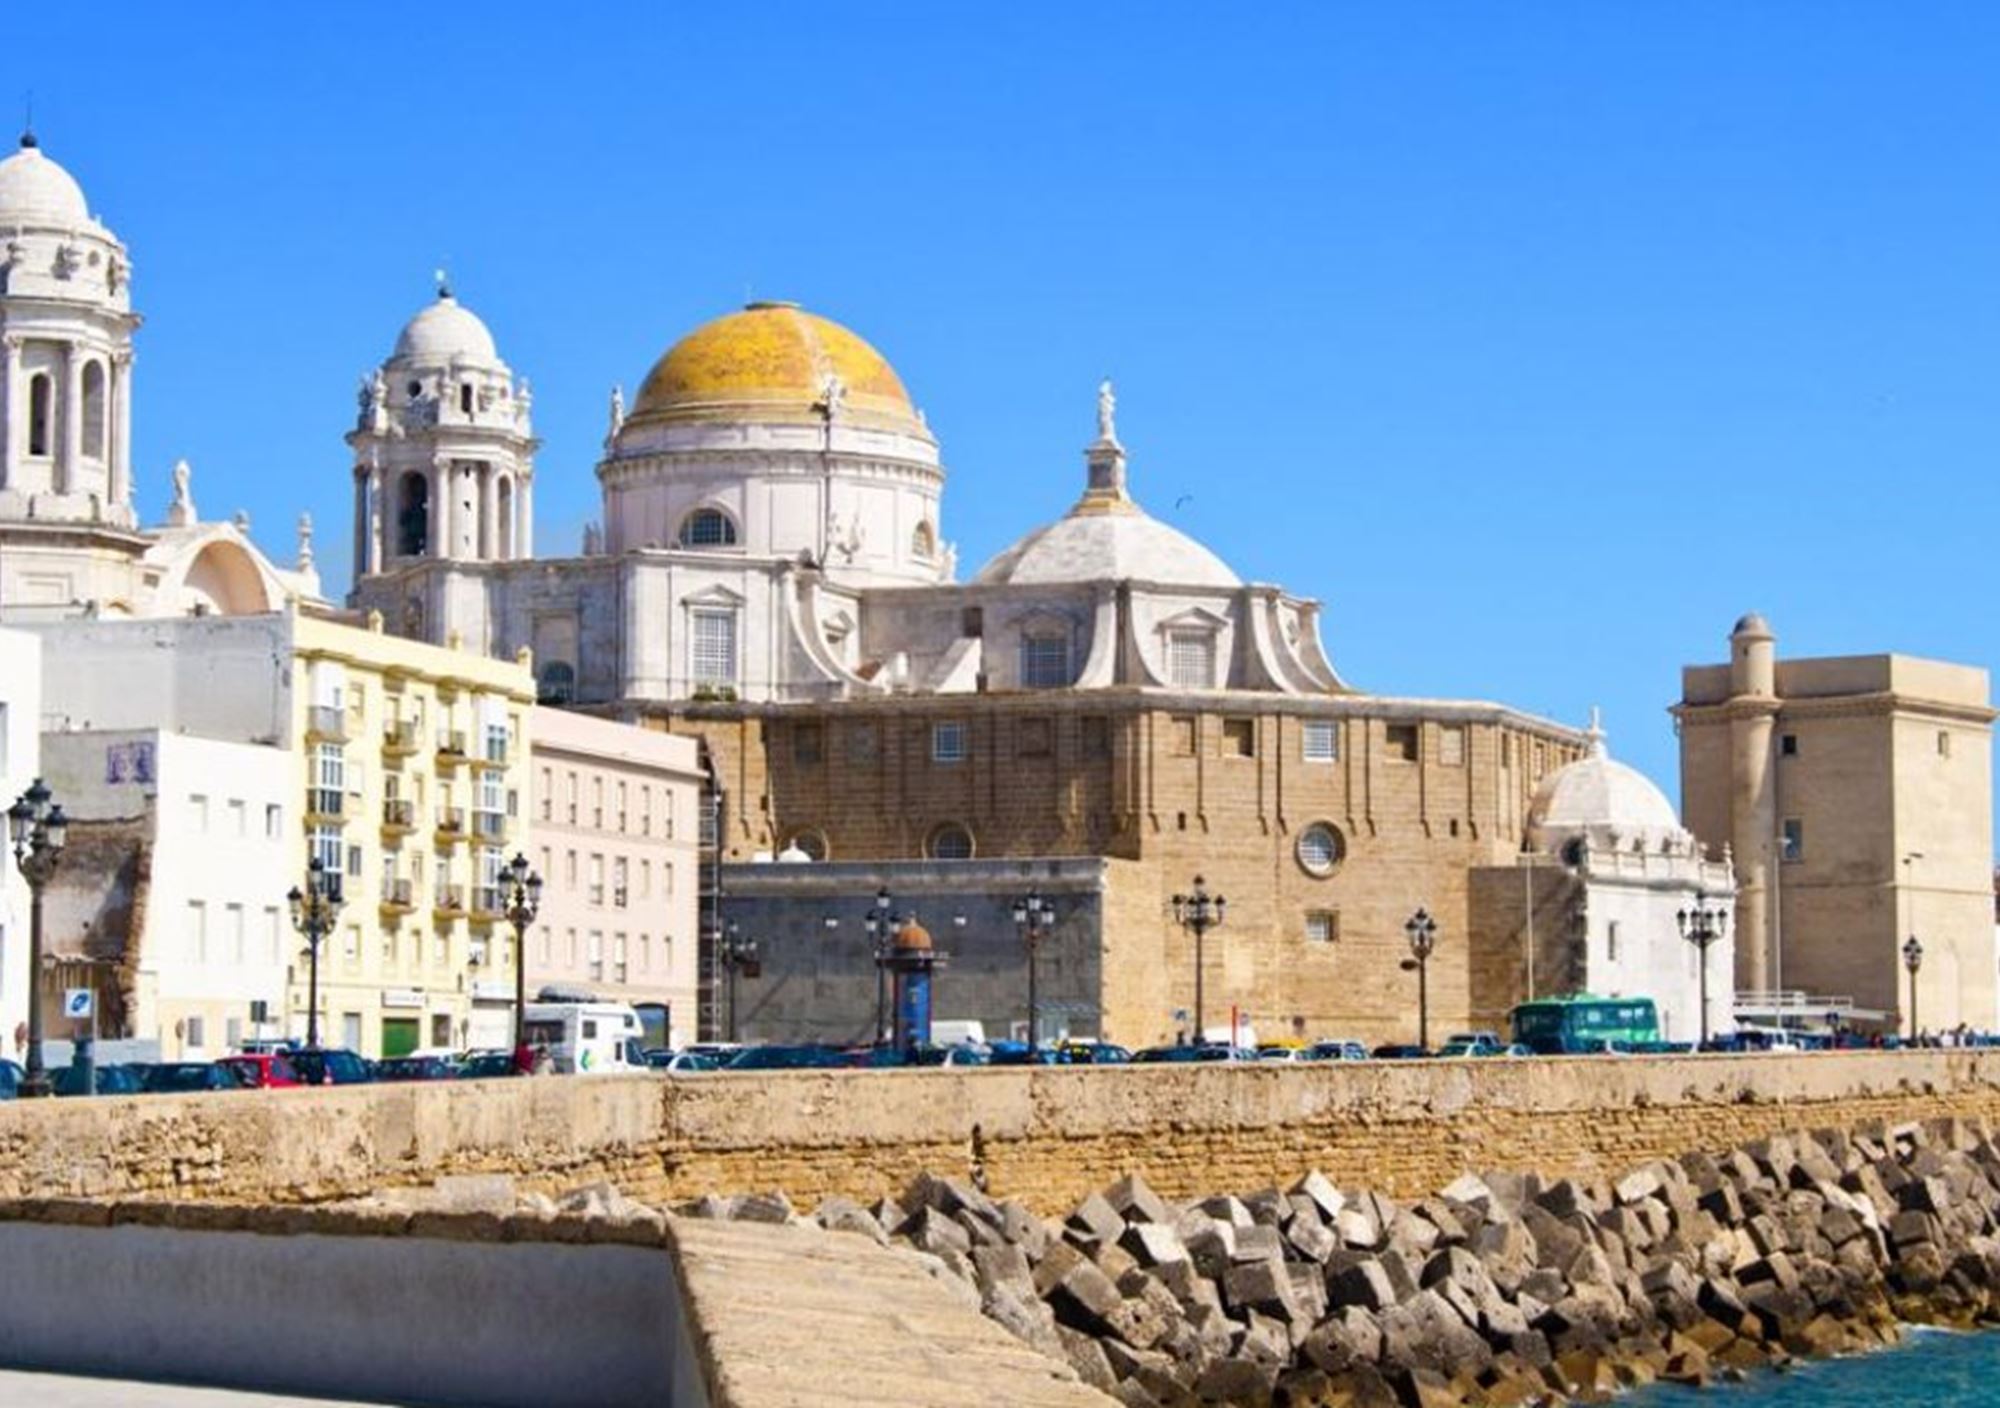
{"x": 399, "y": 740}
{"x": 450, "y": 824}
{"x": 399, "y": 816}
{"x": 619, "y": 896}
{"x": 494, "y": 755}
{"x": 327, "y": 724}
{"x": 398, "y": 896}
{"x": 450, "y": 749}
{"x": 489, "y": 826}
{"x": 450, "y": 901}
{"x": 325, "y": 806}
{"x": 486, "y": 904}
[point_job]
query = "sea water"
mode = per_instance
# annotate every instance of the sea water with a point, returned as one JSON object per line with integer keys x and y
{"x": 1931, "y": 1368}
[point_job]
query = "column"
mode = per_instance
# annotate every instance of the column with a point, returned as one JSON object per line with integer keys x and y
{"x": 11, "y": 402}
{"x": 360, "y": 529}
{"x": 489, "y": 523}
{"x": 524, "y": 515}
{"x": 69, "y": 478}
{"x": 378, "y": 523}
{"x": 120, "y": 386}
{"x": 442, "y": 489}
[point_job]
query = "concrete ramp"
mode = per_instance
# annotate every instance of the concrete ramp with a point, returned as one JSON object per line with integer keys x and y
{"x": 783, "y": 1317}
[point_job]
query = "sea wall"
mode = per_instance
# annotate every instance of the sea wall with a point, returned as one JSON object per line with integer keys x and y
{"x": 1044, "y": 1136}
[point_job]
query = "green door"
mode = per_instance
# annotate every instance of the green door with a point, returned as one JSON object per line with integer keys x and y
{"x": 399, "y": 1037}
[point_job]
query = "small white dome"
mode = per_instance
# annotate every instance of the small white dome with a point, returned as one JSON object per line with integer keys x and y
{"x": 445, "y": 330}
{"x": 34, "y": 190}
{"x": 1109, "y": 546}
{"x": 1596, "y": 794}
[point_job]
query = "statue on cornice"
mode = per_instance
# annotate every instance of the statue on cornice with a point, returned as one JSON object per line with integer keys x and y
{"x": 617, "y": 411}
{"x": 1107, "y": 410}
{"x": 180, "y": 509}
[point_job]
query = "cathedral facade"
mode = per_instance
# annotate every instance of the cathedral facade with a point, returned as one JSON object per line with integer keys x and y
{"x": 772, "y": 575}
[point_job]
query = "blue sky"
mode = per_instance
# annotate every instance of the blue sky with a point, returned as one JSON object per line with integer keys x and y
{"x": 1539, "y": 341}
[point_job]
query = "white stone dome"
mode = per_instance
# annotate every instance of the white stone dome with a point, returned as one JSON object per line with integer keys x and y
{"x": 445, "y": 331}
{"x": 35, "y": 190}
{"x": 1101, "y": 546}
{"x": 1602, "y": 798}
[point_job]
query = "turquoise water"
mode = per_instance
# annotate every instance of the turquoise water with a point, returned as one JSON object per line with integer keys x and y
{"x": 1931, "y": 1368}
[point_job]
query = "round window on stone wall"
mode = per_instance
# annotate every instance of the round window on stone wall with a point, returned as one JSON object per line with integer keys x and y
{"x": 951, "y": 842}
{"x": 1321, "y": 849}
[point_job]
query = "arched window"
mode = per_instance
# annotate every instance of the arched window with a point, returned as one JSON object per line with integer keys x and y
{"x": 504, "y": 513}
{"x": 923, "y": 542}
{"x": 40, "y": 391}
{"x": 413, "y": 515}
{"x": 465, "y": 398}
{"x": 93, "y": 410}
{"x": 708, "y": 528}
{"x": 950, "y": 842}
{"x": 812, "y": 843}
{"x": 558, "y": 683}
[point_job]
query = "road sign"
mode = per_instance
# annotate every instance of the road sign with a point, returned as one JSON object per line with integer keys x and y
{"x": 76, "y": 1003}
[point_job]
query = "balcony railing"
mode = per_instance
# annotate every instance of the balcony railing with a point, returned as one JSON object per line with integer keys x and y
{"x": 494, "y": 755}
{"x": 450, "y": 899}
{"x": 326, "y": 803}
{"x": 398, "y": 814}
{"x": 450, "y": 749}
{"x": 489, "y": 826}
{"x": 326, "y": 721}
{"x": 619, "y": 895}
{"x": 398, "y": 894}
{"x": 399, "y": 739}
{"x": 451, "y": 821}
{"x": 486, "y": 902}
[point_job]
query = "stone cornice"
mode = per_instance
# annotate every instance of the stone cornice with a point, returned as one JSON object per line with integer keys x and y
{"x": 1842, "y": 706}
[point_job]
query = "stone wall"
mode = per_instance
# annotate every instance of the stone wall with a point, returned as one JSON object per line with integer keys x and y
{"x": 1047, "y": 1136}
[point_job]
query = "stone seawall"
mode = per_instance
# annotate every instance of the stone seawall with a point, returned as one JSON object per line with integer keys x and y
{"x": 1045, "y": 1136}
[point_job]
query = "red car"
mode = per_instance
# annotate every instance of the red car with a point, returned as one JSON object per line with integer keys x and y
{"x": 262, "y": 1070}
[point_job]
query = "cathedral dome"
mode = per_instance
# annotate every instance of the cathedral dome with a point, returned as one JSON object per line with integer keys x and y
{"x": 445, "y": 331}
{"x": 1105, "y": 546}
{"x": 1595, "y": 794}
{"x": 773, "y": 362}
{"x": 35, "y": 190}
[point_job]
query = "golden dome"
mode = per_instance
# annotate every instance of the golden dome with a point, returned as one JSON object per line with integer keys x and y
{"x": 773, "y": 362}
{"x": 913, "y": 938}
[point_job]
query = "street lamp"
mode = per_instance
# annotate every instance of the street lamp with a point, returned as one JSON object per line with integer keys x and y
{"x": 38, "y": 830}
{"x": 1198, "y": 912}
{"x": 735, "y": 954}
{"x": 1035, "y": 918}
{"x": 1702, "y": 926}
{"x": 880, "y": 924}
{"x": 314, "y": 910}
{"x": 521, "y": 889}
{"x": 1421, "y": 930}
{"x": 1913, "y": 959}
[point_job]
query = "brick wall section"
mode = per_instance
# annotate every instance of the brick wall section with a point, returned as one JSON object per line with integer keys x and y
{"x": 1046, "y": 1136}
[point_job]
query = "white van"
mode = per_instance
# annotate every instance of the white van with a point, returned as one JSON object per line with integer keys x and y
{"x": 587, "y": 1038}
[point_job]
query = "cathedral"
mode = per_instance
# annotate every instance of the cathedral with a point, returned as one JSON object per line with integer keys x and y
{"x": 773, "y": 575}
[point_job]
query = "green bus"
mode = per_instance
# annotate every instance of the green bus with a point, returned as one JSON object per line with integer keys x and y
{"x": 1580, "y": 1023}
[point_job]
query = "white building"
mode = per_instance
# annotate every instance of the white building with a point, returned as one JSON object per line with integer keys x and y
{"x": 171, "y": 902}
{"x": 1634, "y": 869}
{"x": 614, "y": 820}
{"x": 20, "y": 764}
{"x": 71, "y": 543}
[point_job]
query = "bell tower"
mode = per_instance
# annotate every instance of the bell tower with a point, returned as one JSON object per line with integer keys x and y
{"x": 66, "y": 325}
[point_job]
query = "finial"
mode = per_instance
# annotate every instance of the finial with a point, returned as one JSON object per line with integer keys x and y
{"x": 1595, "y": 733}
{"x": 305, "y": 542}
{"x": 617, "y": 410}
{"x": 443, "y": 282}
{"x": 1107, "y": 411}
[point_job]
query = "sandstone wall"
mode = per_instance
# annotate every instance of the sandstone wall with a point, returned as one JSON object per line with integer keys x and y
{"x": 1044, "y": 1135}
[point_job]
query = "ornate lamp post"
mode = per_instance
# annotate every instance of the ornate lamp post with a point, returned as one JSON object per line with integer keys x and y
{"x": 1197, "y": 912}
{"x": 1035, "y": 918}
{"x": 521, "y": 892}
{"x": 735, "y": 953}
{"x": 38, "y": 830}
{"x": 1913, "y": 959}
{"x": 314, "y": 910}
{"x": 880, "y": 924}
{"x": 1702, "y": 926}
{"x": 1421, "y": 930}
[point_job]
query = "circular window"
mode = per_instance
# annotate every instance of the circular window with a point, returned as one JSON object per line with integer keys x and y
{"x": 1321, "y": 849}
{"x": 416, "y": 389}
{"x": 951, "y": 842}
{"x": 813, "y": 843}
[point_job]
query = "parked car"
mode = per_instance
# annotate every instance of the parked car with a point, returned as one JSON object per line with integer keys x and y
{"x": 109, "y": 1080}
{"x": 331, "y": 1066}
{"x": 679, "y": 1062}
{"x": 1094, "y": 1053}
{"x": 183, "y": 1077}
{"x": 1279, "y": 1052}
{"x": 1336, "y": 1051}
{"x": 786, "y": 1058}
{"x": 1018, "y": 1053}
{"x": 261, "y": 1070}
{"x": 485, "y": 1065}
{"x": 1187, "y": 1053}
{"x": 406, "y": 1068}
{"x": 1396, "y": 1052}
{"x": 720, "y": 1052}
{"x": 963, "y": 1054}
{"x": 1483, "y": 1043}
{"x": 11, "y": 1076}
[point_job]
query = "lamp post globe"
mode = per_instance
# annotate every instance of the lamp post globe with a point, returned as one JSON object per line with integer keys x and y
{"x": 522, "y": 890}
{"x": 879, "y": 923}
{"x": 1913, "y": 959}
{"x": 1421, "y": 932}
{"x": 1198, "y": 911}
{"x": 1034, "y": 917}
{"x": 1702, "y": 926}
{"x": 314, "y": 911}
{"x": 736, "y": 953}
